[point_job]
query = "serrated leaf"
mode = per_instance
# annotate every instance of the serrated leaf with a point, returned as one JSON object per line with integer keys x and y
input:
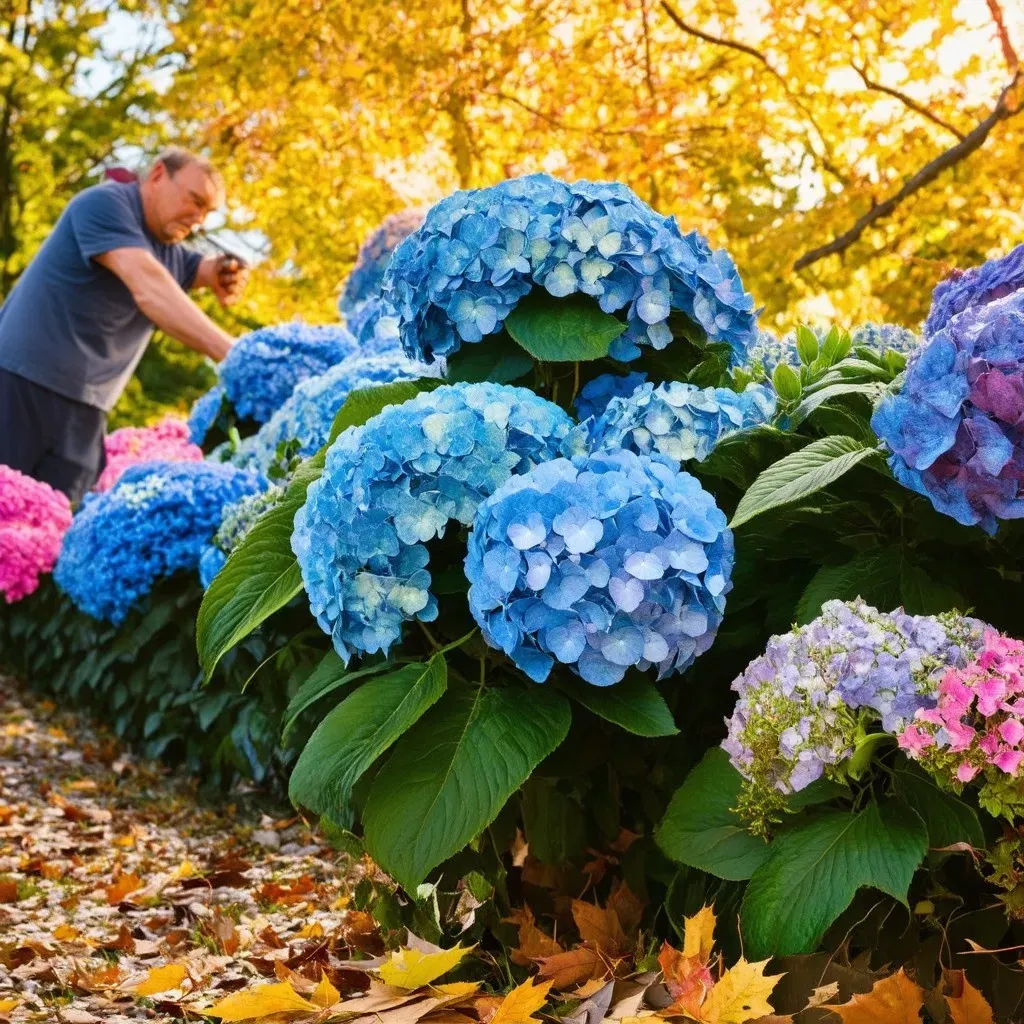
{"x": 519, "y": 1006}
{"x": 895, "y": 1000}
{"x": 699, "y": 934}
{"x": 801, "y": 474}
{"x": 451, "y": 774}
{"x": 701, "y": 829}
{"x": 811, "y": 401}
{"x": 358, "y": 731}
{"x": 740, "y": 995}
{"x": 261, "y": 1002}
{"x": 966, "y": 1004}
{"x": 786, "y": 382}
{"x": 365, "y": 403}
{"x": 414, "y": 968}
{"x": 813, "y": 871}
{"x": 948, "y": 819}
{"x": 497, "y": 359}
{"x": 634, "y": 704}
{"x": 573, "y": 329}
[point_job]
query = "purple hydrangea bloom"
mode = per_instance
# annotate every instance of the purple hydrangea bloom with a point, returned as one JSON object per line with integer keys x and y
{"x": 956, "y": 428}
{"x": 679, "y": 420}
{"x": 595, "y": 395}
{"x": 394, "y": 484}
{"x": 458, "y": 277}
{"x": 978, "y": 286}
{"x": 602, "y": 563}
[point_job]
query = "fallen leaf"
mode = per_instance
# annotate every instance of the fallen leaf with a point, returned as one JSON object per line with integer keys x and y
{"x": 162, "y": 979}
{"x": 8, "y": 892}
{"x": 99, "y": 980}
{"x": 740, "y": 994}
{"x": 325, "y": 994}
{"x": 573, "y": 967}
{"x": 533, "y": 943}
{"x": 822, "y": 994}
{"x": 698, "y": 935}
{"x": 895, "y": 1000}
{"x": 123, "y": 942}
{"x": 359, "y": 930}
{"x": 122, "y": 886}
{"x": 259, "y": 1002}
{"x": 966, "y": 1004}
{"x": 313, "y": 930}
{"x": 628, "y": 907}
{"x": 521, "y": 1003}
{"x": 73, "y": 1016}
{"x": 589, "y": 988}
{"x": 457, "y": 989}
{"x": 6, "y": 1005}
{"x": 687, "y": 978}
{"x": 600, "y": 926}
{"x": 411, "y": 968}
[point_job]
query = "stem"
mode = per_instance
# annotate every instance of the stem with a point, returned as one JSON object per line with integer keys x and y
{"x": 457, "y": 643}
{"x": 575, "y": 382}
{"x": 430, "y": 639}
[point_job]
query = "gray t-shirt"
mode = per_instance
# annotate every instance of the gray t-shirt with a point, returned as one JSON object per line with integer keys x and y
{"x": 71, "y": 325}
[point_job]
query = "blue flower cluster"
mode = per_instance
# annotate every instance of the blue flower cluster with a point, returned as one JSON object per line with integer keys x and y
{"x": 394, "y": 484}
{"x": 801, "y": 702}
{"x": 367, "y": 275}
{"x": 595, "y": 395}
{"x": 263, "y": 367}
{"x": 238, "y": 520}
{"x": 479, "y": 252}
{"x": 204, "y": 413}
{"x": 977, "y": 286}
{"x": 769, "y": 350}
{"x": 152, "y": 523}
{"x": 882, "y": 337}
{"x": 956, "y": 429}
{"x": 309, "y": 413}
{"x": 602, "y": 563}
{"x": 680, "y": 421}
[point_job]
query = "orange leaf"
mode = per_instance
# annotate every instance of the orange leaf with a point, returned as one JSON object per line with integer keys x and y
{"x": 895, "y": 1000}
{"x": 533, "y": 943}
{"x": 66, "y": 933}
{"x": 687, "y": 978}
{"x": 599, "y": 926}
{"x": 162, "y": 979}
{"x": 8, "y": 892}
{"x": 122, "y": 887}
{"x": 966, "y": 1004}
{"x": 572, "y": 968}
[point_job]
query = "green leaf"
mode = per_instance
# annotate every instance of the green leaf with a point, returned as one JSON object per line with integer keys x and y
{"x": 800, "y": 474}
{"x": 634, "y": 704}
{"x": 836, "y": 346}
{"x": 806, "y": 345}
{"x": 365, "y": 403}
{"x": 496, "y": 359}
{"x": 815, "y": 398}
{"x": 814, "y": 870}
{"x": 450, "y": 776}
{"x": 948, "y": 819}
{"x": 260, "y": 576}
{"x": 701, "y": 829}
{"x": 573, "y": 329}
{"x": 358, "y": 731}
{"x": 554, "y": 823}
{"x": 786, "y": 382}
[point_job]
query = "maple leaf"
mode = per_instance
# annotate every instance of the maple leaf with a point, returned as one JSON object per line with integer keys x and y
{"x": 740, "y": 994}
{"x": 600, "y": 926}
{"x": 573, "y": 967}
{"x": 895, "y": 1000}
{"x": 412, "y": 968}
{"x": 161, "y": 979}
{"x": 687, "y": 978}
{"x": 698, "y": 934}
{"x": 966, "y": 1004}
{"x": 260, "y": 1002}
{"x": 533, "y": 943}
{"x": 122, "y": 886}
{"x": 521, "y": 1003}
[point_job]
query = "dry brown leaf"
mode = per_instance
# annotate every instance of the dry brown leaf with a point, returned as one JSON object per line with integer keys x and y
{"x": 533, "y": 943}
{"x": 8, "y": 892}
{"x": 600, "y": 926}
{"x": 822, "y": 994}
{"x": 123, "y": 942}
{"x": 628, "y": 907}
{"x": 573, "y": 967}
{"x": 121, "y": 887}
{"x": 966, "y": 1004}
{"x": 99, "y": 980}
{"x": 895, "y": 1000}
{"x": 359, "y": 930}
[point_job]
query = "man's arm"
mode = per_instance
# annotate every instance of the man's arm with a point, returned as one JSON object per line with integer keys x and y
{"x": 159, "y": 296}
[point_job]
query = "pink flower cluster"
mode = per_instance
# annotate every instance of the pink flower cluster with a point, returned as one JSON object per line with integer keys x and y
{"x": 167, "y": 441}
{"x": 979, "y": 719}
{"x": 33, "y": 520}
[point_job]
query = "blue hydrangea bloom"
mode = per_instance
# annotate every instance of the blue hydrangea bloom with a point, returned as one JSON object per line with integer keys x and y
{"x": 769, "y": 350}
{"x": 479, "y": 252}
{"x": 308, "y": 414}
{"x": 602, "y": 563}
{"x": 374, "y": 255}
{"x": 394, "y": 484}
{"x": 679, "y": 420}
{"x": 238, "y": 519}
{"x": 956, "y": 428}
{"x": 152, "y": 523}
{"x": 263, "y": 367}
{"x": 975, "y": 287}
{"x": 881, "y": 337}
{"x": 204, "y": 413}
{"x": 595, "y": 395}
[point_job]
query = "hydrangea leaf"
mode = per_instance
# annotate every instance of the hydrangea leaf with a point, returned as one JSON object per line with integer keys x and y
{"x": 634, "y": 704}
{"x": 799, "y": 475}
{"x": 700, "y": 828}
{"x": 573, "y": 329}
{"x": 358, "y": 731}
{"x": 259, "y": 577}
{"x": 451, "y": 774}
{"x": 814, "y": 870}
{"x": 873, "y": 575}
{"x": 365, "y": 403}
{"x": 495, "y": 360}
{"x": 553, "y": 822}
{"x": 949, "y": 819}
{"x": 826, "y": 394}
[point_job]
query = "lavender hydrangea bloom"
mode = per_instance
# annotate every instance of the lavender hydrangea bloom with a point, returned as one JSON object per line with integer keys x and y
{"x": 458, "y": 277}
{"x": 800, "y": 703}
{"x": 238, "y": 520}
{"x": 204, "y": 413}
{"x": 978, "y": 286}
{"x": 882, "y": 337}
{"x": 394, "y": 484}
{"x": 595, "y": 395}
{"x": 601, "y": 562}
{"x": 956, "y": 429}
{"x": 678, "y": 420}
{"x": 154, "y": 522}
{"x": 367, "y": 275}
{"x": 309, "y": 413}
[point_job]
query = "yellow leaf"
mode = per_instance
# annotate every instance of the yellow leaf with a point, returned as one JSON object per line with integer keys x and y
{"x": 740, "y": 995}
{"x": 521, "y": 1003}
{"x": 6, "y": 1005}
{"x": 411, "y": 968}
{"x": 161, "y": 979}
{"x": 896, "y": 1000}
{"x": 186, "y": 869}
{"x": 261, "y": 1001}
{"x": 65, "y": 933}
{"x": 314, "y": 930}
{"x": 457, "y": 989}
{"x": 698, "y": 937}
{"x": 325, "y": 994}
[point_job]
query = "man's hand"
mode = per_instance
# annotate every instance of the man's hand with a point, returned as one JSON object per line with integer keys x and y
{"x": 230, "y": 278}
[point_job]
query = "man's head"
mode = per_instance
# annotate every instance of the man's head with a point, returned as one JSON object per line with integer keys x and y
{"x": 178, "y": 192}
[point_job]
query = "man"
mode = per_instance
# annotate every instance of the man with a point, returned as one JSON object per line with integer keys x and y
{"x": 75, "y": 325}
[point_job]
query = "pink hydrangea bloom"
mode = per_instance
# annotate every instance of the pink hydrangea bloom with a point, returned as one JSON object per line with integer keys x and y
{"x": 978, "y": 722}
{"x": 33, "y": 520}
{"x": 167, "y": 441}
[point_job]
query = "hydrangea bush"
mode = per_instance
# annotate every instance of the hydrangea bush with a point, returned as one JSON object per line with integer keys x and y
{"x": 154, "y": 522}
{"x": 595, "y": 395}
{"x": 166, "y": 441}
{"x": 976, "y": 286}
{"x": 204, "y": 413}
{"x": 236, "y": 522}
{"x": 601, "y": 563}
{"x": 33, "y": 520}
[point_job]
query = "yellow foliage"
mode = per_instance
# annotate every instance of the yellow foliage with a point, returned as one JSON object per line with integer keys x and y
{"x": 412, "y": 968}
{"x": 521, "y": 1003}
{"x": 698, "y": 935}
{"x": 162, "y": 979}
{"x": 325, "y": 994}
{"x": 740, "y": 995}
{"x": 261, "y": 1001}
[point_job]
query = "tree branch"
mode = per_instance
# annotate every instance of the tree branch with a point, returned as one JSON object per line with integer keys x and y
{"x": 906, "y": 100}
{"x": 1009, "y": 53}
{"x": 925, "y": 176}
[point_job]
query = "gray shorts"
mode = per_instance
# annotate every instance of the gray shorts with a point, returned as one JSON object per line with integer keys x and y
{"x": 50, "y": 437}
